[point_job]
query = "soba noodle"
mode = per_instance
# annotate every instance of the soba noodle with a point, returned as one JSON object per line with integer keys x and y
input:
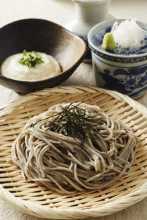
{"x": 88, "y": 160}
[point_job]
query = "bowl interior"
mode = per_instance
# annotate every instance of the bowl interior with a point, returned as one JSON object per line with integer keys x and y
{"x": 96, "y": 35}
{"x": 44, "y": 36}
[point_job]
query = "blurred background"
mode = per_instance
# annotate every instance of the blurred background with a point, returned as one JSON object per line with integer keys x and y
{"x": 54, "y": 9}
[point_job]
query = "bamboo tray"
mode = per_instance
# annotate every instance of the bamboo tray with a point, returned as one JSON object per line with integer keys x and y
{"x": 38, "y": 201}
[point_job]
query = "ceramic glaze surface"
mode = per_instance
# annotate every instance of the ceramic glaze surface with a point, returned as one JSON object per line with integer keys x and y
{"x": 126, "y": 73}
{"x": 88, "y": 13}
{"x": 130, "y": 80}
{"x": 66, "y": 48}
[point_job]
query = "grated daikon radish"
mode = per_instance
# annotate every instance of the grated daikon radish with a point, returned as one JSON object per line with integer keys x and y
{"x": 128, "y": 34}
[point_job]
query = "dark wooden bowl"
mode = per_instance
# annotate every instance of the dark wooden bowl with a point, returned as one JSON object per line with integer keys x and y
{"x": 44, "y": 36}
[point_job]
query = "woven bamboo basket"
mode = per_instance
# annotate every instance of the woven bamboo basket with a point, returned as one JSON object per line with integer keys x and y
{"x": 37, "y": 200}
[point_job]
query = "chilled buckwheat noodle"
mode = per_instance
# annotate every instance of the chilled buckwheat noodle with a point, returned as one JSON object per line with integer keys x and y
{"x": 74, "y": 147}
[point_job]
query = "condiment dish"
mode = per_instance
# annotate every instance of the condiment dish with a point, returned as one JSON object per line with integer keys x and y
{"x": 124, "y": 73}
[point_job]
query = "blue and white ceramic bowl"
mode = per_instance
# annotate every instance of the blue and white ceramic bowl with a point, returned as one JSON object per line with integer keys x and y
{"x": 126, "y": 73}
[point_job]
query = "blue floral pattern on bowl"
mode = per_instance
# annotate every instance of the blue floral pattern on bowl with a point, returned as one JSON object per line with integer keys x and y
{"x": 130, "y": 81}
{"x": 123, "y": 73}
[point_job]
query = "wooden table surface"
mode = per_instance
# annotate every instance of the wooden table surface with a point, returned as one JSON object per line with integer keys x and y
{"x": 61, "y": 11}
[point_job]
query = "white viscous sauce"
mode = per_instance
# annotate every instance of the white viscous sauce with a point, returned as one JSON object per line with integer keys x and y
{"x": 11, "y": 68}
